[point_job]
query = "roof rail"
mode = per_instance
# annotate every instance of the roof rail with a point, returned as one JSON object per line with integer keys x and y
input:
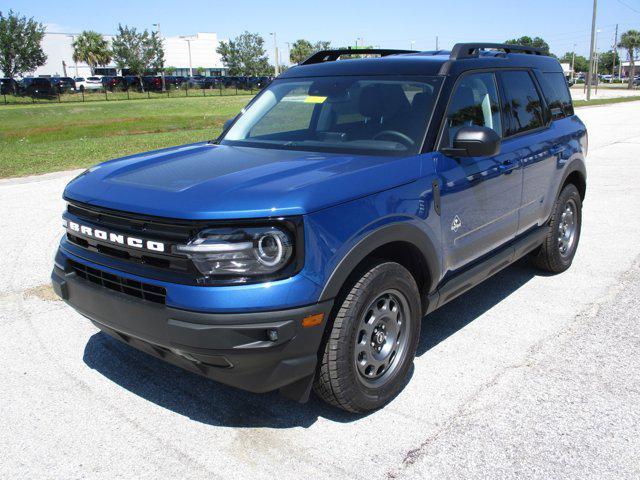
{"x": 333, "y": 55}
{"x": 472, "y": 50}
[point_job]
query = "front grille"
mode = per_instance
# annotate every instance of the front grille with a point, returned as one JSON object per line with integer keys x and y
{"x": 145, "y": 291}
{"x": 165, "y": 266}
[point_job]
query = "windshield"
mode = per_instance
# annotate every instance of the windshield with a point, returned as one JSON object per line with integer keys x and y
{"x": 378, "y": 115}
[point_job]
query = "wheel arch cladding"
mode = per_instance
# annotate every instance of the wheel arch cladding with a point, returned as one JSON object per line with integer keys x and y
{"x": 402, "y": 243}
{"x": 577, "y": 178}
{"x": 575, "y": 172}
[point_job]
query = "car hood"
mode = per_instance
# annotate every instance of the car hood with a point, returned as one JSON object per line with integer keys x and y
{"x": 206, "y": 181}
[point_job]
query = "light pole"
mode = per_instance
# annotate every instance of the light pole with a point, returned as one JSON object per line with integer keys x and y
{"x": 188, "y": 40}
{"x": 288, "y": 44}
{"x": 275, "y": 54}
{"x": 592, "y": 48}
{"x": 164, "y": 87}
{"x": 413, "y": 42}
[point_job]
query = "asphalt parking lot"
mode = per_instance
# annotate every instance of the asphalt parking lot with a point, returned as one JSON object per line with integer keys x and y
{"x": 526, "y": 376}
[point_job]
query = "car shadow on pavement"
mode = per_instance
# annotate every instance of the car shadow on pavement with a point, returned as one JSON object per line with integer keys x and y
{"x": 212, "y": 403}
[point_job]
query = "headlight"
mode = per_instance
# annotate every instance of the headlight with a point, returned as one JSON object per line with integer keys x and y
{"x": 240, "y": 252}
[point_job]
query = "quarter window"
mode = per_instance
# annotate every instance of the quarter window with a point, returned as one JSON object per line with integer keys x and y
{"x": 523, "y": 108}
{"x": 556, "y": 91}
{"x": 474, "y": 102}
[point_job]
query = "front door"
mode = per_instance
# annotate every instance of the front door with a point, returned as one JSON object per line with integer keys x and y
{"x": 480, "y": 196}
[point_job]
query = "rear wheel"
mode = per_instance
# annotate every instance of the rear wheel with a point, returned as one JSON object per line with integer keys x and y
{"x": 560, "y": 245}
{"x": 372, "y": 342}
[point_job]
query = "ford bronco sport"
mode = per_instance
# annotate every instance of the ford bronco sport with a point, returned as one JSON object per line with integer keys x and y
{"x": 350, "y": 198}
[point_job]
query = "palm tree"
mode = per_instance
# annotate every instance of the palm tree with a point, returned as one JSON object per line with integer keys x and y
{"x": 630, "y": 41}
{"x": 91, "y": 48}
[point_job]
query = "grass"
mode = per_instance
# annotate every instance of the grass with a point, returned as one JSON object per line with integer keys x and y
{"x": 59, "y": 136}
{"x": 605, "y": 101}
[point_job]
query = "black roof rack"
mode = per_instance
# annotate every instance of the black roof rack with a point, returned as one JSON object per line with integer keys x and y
{"x": 333, "y": 55}
{"x": 472, "y": 50}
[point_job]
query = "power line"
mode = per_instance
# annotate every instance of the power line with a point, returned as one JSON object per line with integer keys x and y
{"x": 628, "y": 6}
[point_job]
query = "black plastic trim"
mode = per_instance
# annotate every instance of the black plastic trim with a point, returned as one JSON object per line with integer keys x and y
{"x": 400, "y": 232}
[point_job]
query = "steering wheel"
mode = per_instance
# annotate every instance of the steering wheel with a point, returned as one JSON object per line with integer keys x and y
{"x": 405, "y": 139}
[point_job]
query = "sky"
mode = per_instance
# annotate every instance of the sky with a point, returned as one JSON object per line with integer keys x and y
{"x": 388, "y": 24}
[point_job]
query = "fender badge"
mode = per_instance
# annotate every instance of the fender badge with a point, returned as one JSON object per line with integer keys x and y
{"x": 456, "y": 224}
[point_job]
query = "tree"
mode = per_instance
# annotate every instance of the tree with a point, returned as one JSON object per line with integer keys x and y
{"x": 20, "y": 49}
{"x": 91, "y": 48}
{"x": 245, "y": 55}
{"x": 139, "y": 52}
{"x": 605, "y": 61}
{"x": 630, "y": 41}
{"x": 535, "y": 42}
{"x": 170, "y": 70}
{"x": 581, "y": 63}
{"x": 302, "y": 49}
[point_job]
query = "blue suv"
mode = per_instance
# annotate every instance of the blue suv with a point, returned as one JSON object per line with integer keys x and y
{"x": 301, "y": 249}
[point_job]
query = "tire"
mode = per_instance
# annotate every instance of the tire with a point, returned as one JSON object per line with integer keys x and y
{"x": 352, "y": 374}
{"x": 559, "y": 247}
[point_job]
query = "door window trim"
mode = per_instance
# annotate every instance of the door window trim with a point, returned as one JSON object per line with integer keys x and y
{"x": 454, "y": 90}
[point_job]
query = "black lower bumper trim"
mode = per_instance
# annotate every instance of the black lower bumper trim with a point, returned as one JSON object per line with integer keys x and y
{"x": 258, "y": 352}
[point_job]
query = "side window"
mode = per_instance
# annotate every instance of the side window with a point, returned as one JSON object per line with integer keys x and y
{"x": 474, "y": 102}
{"x": 556, "y": 91}
{"x": 523, "y": 108}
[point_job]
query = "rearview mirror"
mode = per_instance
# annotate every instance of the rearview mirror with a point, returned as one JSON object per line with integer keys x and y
{"x": 474, "y": 141}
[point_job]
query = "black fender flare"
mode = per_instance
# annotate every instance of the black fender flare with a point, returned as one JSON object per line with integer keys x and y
{"x": 575, "y": 165}
{"x": 397, "y": 232}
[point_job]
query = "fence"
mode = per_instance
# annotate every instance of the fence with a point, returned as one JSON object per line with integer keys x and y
{"x": 103, "y": 95}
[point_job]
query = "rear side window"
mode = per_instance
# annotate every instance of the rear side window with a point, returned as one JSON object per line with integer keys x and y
{"x": 523, "y": 108}
{"x": 474, "y": 102}
{"x": 556, "y": 91}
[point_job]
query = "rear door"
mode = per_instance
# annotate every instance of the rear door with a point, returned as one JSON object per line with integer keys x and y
{"x": 480, "y": 196}
{"x": 529, "y": 138}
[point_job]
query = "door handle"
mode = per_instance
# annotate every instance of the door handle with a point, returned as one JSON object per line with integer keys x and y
{"x": 507, "y": 167}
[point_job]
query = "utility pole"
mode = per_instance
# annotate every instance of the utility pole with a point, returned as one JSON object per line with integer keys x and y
{"x": 596, "y": 60}
{"x": 164, "y": 87}
{"x": 615, "y": 54}
{"x": 437, "y": 48}
{"x": 288, "y": 44}
{"x": 592, "y": 48}
{"x": 412, "y": 44}
{"x": 573, "y": 63}
{"x": 275, "y": 54}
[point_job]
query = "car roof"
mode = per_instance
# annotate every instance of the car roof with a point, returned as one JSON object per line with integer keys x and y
{"x": 424, "y": 63}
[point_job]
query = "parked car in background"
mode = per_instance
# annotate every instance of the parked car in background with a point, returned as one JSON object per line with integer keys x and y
{"x": 8, "y": 86}
{"x": 152, "y": 83}
{"x": 197, "y": 81}
{"x": 92, "y": 83}
{"x": 64, "y": 84}
{"x": 88, "y": 83}
{"x": 38, "y": 87}
{"x": 173, "y": 81}
{"x": 112, "y": 83}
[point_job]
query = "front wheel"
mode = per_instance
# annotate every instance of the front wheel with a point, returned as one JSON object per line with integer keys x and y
{"x": 560, "y": 245}
{"x": 372, "y": 342}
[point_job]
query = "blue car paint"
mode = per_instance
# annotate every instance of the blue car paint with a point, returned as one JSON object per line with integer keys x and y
{"x": 216, "y": 182}
{"x": 213, "y": 182}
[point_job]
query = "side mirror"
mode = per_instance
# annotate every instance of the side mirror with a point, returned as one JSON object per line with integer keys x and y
{"x": 474, "y": 141}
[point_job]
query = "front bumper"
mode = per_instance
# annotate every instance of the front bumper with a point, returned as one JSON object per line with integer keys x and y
{"x": 258, "y": 352}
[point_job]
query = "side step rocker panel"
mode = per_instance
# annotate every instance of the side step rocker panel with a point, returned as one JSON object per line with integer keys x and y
{"x": 466, "y": 280}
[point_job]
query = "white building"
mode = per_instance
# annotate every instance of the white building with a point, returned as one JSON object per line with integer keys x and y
{"x": 184, "y": 53}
